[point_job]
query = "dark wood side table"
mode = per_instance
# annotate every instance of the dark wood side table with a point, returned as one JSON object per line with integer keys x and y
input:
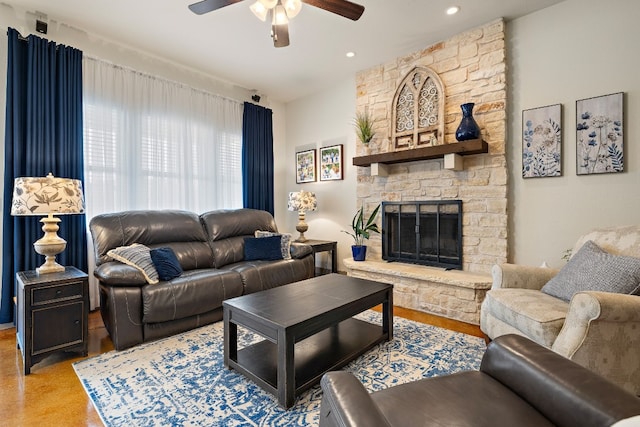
{"x": 52, "y": 314}
{"x": 325, "y": 246}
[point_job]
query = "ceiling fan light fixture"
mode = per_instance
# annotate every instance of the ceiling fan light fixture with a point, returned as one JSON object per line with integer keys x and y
{"x": 259, "y": 10}
{"x": 268, "y": 4}
{"x": 280, "y": 15}
{"x": 292, "y": 7}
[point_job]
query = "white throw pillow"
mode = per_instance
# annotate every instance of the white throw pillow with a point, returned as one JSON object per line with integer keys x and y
{"x": 138, "y": 256}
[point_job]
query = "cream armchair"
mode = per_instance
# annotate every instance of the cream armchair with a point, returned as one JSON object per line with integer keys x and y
{"x": 598, "y": 330}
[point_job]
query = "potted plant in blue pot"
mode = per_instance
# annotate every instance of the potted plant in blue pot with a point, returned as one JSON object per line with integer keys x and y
{"x": 361, "y": 231}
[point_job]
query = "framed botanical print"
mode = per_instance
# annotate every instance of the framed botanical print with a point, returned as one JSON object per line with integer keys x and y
{"x": 305, "y": 166}
{"x": 331, "y": 163}
{"x": 599, "y": 135}
{"x": 542, "y": 141}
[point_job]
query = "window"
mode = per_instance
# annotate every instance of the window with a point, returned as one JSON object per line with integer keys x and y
{"x": 155, "y": 144}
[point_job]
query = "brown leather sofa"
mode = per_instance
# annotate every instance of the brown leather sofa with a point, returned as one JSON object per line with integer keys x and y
{"x": 209, "y": 248}
{"x": 520, "y": 383}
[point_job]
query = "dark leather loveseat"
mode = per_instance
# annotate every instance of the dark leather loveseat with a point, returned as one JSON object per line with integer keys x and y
{"x": 209, "y": 248}
{"x": 519, "y": 384}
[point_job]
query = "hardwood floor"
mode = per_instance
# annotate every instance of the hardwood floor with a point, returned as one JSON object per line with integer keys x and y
{"x": 52, "y": 394}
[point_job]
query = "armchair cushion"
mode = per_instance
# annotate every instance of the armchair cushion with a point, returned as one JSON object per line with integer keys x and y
{"x": 532, "y": 313}
{"x": 592, "y": 269}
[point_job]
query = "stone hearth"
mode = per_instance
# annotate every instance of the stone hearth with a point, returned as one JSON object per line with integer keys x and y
{"x": 454, "y": 294}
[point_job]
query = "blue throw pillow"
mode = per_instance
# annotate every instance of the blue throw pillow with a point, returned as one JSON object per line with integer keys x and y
{"x": 263, "y": 248}
{"x": 166, "y": 263}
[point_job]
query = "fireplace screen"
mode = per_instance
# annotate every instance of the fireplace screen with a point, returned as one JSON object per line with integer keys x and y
{"x": 427, "y": 232}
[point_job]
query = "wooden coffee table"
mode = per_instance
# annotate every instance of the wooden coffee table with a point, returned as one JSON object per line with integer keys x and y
{"x": 308, "y": 330}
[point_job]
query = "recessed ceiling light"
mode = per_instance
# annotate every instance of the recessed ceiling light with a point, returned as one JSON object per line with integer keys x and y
{"x": 453, "y": 10}
{"x": 351, "y": 54}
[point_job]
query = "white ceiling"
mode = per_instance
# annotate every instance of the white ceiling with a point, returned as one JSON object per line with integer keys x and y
{"x": 232, "y": 44}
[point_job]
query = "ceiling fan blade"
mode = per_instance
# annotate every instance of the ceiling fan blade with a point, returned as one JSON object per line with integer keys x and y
{"x": 206, "y": 6}
{"x": 344, "y": 8}
{"x": 280, "y": 34}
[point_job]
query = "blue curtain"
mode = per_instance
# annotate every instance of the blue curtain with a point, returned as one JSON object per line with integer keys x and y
{"x": 43, "y": 134}
{"x": 257, "y": 157}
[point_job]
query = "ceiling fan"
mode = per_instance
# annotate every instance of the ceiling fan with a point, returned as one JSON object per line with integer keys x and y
{"x": 280, "y": 11}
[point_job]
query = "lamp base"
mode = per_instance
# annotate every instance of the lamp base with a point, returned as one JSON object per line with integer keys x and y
{"x": 50, "y": 266}
{"x": 301, "y": 227}
{"x": 50, "y": 245}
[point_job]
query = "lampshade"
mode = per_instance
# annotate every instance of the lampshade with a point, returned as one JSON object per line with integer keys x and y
{"x": 48, "y": 196}
{"x": 302, "y": 201}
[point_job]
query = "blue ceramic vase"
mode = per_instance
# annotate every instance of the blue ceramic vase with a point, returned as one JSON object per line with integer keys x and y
{"x": 359, "y": 252}
{"x": 468, "y": 128}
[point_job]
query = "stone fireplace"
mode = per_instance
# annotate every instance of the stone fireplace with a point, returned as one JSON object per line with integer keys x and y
{"x": 472, "y": 68}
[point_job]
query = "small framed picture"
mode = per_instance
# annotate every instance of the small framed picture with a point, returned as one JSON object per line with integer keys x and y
{"x": 331, "y": 163}
{"x": 599, "y": 135}
{"x": 542, "y": 142}
{"x": 305, "y": 166}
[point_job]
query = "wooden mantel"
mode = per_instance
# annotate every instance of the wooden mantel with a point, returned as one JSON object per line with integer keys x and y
{"x": 474, "y": 146}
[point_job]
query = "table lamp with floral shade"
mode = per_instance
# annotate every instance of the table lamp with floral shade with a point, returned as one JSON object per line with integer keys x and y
{"x": 302, "y": 201}
{"x": 48, "y": 196}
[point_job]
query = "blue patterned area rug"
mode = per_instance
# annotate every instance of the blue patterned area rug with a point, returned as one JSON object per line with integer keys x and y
{"x": 181, "y": 380}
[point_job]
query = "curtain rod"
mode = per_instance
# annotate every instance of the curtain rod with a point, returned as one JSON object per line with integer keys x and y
{"x": 143, "y": 73}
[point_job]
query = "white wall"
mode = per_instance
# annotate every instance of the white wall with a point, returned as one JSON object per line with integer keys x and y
{"x": 574, "y": 50}
{"x": 317, "y": 121}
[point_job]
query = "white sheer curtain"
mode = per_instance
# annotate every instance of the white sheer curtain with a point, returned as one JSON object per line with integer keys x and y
{"x": 151, "y": 143}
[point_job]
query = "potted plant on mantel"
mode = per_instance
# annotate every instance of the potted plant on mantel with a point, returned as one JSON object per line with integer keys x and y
{"x": 361, "y": 230}
{"x": 364, "y": 127}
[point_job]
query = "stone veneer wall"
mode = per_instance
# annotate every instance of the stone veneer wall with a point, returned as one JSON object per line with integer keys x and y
{"x": 473, "y": 69}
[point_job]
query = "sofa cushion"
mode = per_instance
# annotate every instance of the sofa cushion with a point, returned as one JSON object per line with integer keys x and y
{"x": 166, "y": 263}
{"x": 285, "y": 242}
{"x": 153, "y": 228}
{"x": 191, "y": 255}
{"x": 265, "y": 248}
{"x": 194, "y": 292}
{"x": 228, "y": 228}
{"x": 260, "y": 275}
{"x": 592, "y": 269}
{"x": 535, "y": 314}
{"x": 136, "y": 255}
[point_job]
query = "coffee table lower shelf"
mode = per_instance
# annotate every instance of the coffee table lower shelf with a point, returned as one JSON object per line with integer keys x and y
{"x": 330, "y": 349}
